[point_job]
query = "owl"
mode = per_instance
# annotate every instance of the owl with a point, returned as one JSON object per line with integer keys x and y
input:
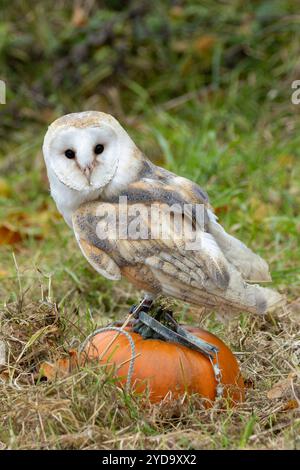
{"x": 97, "y": 174}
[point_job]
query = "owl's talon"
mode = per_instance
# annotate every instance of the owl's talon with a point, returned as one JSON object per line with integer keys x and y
{"x": 144, "y": 305}
{"x": 132, "y": 309}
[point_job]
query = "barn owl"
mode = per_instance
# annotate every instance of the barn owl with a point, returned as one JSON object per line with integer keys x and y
{"x": 92, "y": 165}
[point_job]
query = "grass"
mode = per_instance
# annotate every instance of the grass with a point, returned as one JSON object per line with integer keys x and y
{"x": 226, "y": 121}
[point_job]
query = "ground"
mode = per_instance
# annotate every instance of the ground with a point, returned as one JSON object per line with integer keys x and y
{"x": 218, "y": 112}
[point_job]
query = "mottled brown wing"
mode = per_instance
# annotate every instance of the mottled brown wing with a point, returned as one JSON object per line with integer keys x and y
{"x": 100, "y": 261}
{"x": 100, "y": 242}
{"x": 251, "y": 266}
{"x": 164, "y": 265}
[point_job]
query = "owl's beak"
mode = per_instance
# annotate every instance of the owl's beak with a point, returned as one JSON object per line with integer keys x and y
{"x": 87, "y": 171}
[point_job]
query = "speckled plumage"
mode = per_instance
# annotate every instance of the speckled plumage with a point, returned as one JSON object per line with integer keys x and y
{"x": 214, "y": 276}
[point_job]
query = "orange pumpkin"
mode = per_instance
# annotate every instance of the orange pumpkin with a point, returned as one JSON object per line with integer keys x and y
{"x": 166, "y": 368}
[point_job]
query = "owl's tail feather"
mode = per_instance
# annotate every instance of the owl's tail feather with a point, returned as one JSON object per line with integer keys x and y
{"x": 251, "y": 266}
{"x": 251, "y": 297}
{"x": 261, "y": 299}
{"x": 239, "y": 296}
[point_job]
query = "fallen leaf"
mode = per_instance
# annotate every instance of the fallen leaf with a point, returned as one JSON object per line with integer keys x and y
{"x": 5, "y": 189}
{"x": 204, "y": 44}
{"x": 79, "y": 17}
{"x": 19, "y": 225}
{"x": 61, "y": 367}
{"x": 177, "y": 11}
{"x": 282, "y": 388}
{"x": 287, "y": 160}
{"x": 222, "y": 209}
{"x": 9, "y": 236}
{"x": 290, "y": 405}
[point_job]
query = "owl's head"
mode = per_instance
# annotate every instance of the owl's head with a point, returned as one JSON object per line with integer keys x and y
{"x": 83, "y": 150}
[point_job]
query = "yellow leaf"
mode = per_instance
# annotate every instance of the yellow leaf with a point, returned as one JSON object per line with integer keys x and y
{"x": 5, "y": 189}
{"x": 286, "y": 160}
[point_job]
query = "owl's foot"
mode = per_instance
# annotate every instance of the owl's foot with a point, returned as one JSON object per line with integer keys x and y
{"x": 156, "y": 322}
{"x": 144, "y": 305}
{"x": 160, "y": 324}
{"x": 163, "y": 316}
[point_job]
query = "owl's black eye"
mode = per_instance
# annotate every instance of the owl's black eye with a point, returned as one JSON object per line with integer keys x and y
{"x": 70, "y": 153}
{"x": 98, "y": 149}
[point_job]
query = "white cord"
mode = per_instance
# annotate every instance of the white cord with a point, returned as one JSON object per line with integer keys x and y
{"x": 131, "y": 342}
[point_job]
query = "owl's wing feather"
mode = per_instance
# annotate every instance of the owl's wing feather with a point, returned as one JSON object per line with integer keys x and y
{"x": 98, "y": 259}
{"x": 202, "y": 277}
{"x": 207, "y": 261}
{"x": 251, "y": 266}
{"x": 166, "y": 187}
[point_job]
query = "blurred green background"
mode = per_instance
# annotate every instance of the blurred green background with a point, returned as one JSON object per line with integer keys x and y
{"x": 204, "y": 88}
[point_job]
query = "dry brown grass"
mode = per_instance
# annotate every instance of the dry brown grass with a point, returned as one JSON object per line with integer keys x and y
{"x": 87, "y": 411}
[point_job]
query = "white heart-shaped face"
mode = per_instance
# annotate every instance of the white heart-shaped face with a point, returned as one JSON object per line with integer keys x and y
{"x": 83, "y": 158}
